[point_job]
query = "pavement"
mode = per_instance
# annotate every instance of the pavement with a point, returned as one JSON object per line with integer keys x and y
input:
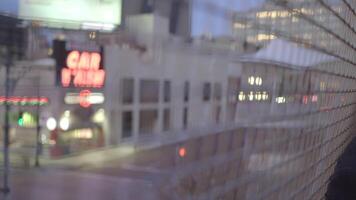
{"x": 42, "y": 184}
{"x": 124, "y": 172}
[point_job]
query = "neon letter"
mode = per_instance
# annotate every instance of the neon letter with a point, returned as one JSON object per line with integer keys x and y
{"x": 66, "y": 76}
{"x": 84, "y": 61}
{"x": 73, "y": 59}
{"x": 95, "y": 61}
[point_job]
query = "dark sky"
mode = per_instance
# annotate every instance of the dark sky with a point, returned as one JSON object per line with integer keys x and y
{"x": 209, "y": 16}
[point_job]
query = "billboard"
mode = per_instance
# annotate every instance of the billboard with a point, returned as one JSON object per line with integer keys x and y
{"x": 100, "y": 14}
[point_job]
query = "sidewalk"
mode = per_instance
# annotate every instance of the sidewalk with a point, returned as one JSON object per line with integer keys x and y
{"x": 41, "y": 184}
{"x": 100, "y": 157}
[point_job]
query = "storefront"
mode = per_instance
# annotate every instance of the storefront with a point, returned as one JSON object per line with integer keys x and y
{"x": 79, "y": 125}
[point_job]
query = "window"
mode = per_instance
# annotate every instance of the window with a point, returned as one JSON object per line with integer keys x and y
{"x": 167, "y": 91}
{"x": 217, "y": 91}
{"x": 149, "y": 91}
{"x": 126, "y": 124}
{"x": 206, "y": 92}
{"x": 185, "y": 118}
{"x": 148, "y": 121}
{"x": 186, "y": 91}
{"x": 166, "y": 120}
{"x": 127, "y": 90}
{"x": 217, "y": 114}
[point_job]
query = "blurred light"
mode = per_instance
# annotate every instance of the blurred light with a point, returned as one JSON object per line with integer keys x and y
{"x": 280, "y": 100}
{"x": 20, "y": 121}
{"x": 98, "y": 26}
{"x": 263, "y": 37}
{"x": 242, "y": 96}
{"x": 24, "y": 101}
{"x": 83, "y": 134}
{"x": 250, "y": 96}
{"x": 92, "y": 98}
{"x": 258, "y": 96}
{"x": 258, "y": 81}
{"x": 315, "y": 98}
{"x": 92, "y": 35}
{"x": 322, "y": 85}
{"x": 64, "y": 123}
{"x": 67, "y": 113}
{"x": 251, "y": 80}
{"x": 182, "y": 152}
{"x": 99, "y": 116}
{"x": 96, "y": 99}
{"x": 52, "y": 142}
{"x": 305, "y": 99}
{"x": 43, "y": 138}
{"x": 51, "y": 124}
{"x": 264, "y": 96}
{"x": 50, "y": 52}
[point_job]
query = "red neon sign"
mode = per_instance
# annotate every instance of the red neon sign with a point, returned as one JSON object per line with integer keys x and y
{"x": 83, "y": 70}
{"x": 24, "y": 101}
{"x": 83, "y": 98}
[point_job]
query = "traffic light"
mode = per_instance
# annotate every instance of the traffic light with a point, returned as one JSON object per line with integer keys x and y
{"x": 20, "y": 119}
{"x": 26, "y": 120}
{"x": 181, "y": 151}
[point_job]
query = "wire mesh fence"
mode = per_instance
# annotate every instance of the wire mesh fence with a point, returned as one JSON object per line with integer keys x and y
{"x": 306, "y": 61}
{"x": 287, "y": 118}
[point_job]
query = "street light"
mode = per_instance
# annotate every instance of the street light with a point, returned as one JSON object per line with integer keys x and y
{"x": 51, "y": 124}
{"x": 64, "y": 123}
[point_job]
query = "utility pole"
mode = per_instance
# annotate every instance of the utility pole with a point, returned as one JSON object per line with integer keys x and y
{"x": 6, "y": 142}
{"x": 38, "y": 128}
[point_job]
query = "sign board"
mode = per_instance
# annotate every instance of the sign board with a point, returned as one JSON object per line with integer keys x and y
{"x": 78, "y": 68}
{"x": 83, "y": 69}
{"x": 98, "y": 14}
{"x": 24, "y": 101}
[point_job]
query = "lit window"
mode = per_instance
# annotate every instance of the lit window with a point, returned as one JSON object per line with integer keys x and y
{"x": 258, "y": 96}
{"x": 258, "y": 81}
{"x": 242, "y": 96}
{"x": 264, "y": 95}
{"x": 263, "y": 37}
{"x": 280, "y": 100}
{"x": 251, "y": 80}
{"x": 251, "y": 96}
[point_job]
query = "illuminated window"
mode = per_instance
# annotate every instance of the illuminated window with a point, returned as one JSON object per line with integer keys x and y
{"x": 322, "y": 85}
{"x": 250, "y": 96}
{"x": 263, "y": 37}
{"x": 251, "y": 80}
{"x": 264, "y": 96}
{"x": 239, "y": 25}
{"x": 280, "y": 100}
{"x": 258, "y": 81}
{"x": 242, "y": 96}
{"x": 258, "y": 96}
{"x": 255, "y": 80}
